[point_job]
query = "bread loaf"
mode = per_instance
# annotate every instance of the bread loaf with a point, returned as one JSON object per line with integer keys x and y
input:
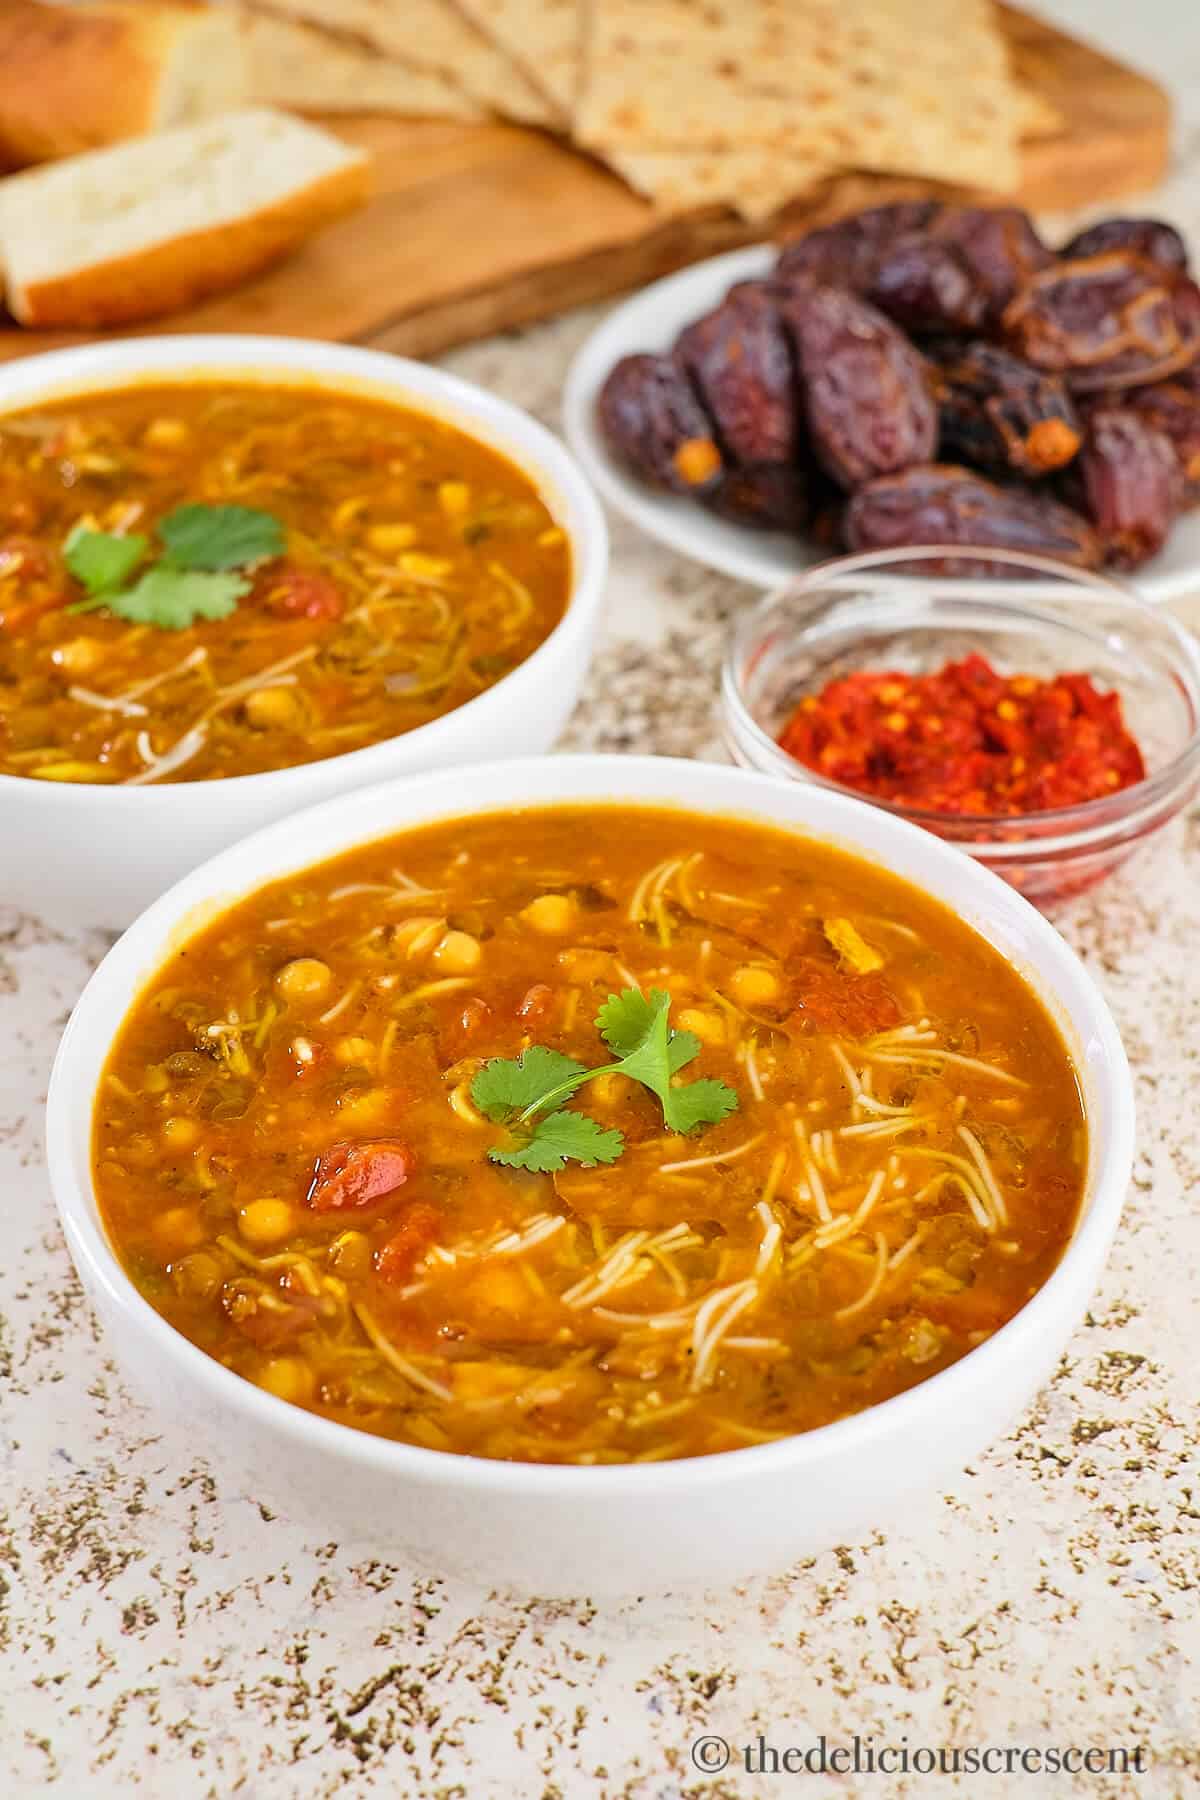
{"x": 149, "y": 227}
{"x": 76, "y": 78}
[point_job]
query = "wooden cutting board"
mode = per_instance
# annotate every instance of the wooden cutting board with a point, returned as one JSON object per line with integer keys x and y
{"x": 475, "y": 229}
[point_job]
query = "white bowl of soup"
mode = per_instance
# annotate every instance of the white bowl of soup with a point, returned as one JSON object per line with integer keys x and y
{"x": 346, "y": 1167}
{"x": 239, "y": 575}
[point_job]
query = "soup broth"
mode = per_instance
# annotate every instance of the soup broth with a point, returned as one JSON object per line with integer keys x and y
{"x": 861, "y": 1153}
{"x": 346, "y": 571}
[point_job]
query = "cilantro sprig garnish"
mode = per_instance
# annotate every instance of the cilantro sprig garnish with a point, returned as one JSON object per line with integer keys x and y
{"x": 102, "y": 561}
{"x": 528, "y": 1094}
{"x": 196, "y": 575}
{"x": 220, "y": 537}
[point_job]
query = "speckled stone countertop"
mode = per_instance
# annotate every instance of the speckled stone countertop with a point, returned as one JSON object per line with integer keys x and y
{"x": 163, "y": 1635}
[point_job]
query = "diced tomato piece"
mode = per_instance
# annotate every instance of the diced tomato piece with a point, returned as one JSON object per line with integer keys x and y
{"x": 21, "y": 616}
{"x": 301, "y": 594}
{"x": 27, "y": 559}
{"x": 354, "y": 1175}
{"x": 464, "y": 1032}
{"x": 537, "y": 1005}
{"x": 37, "y": 581}
{"x": 420, "y": 1227}
{"x": 832, "y": 999}
{"x": 21, "y": 512}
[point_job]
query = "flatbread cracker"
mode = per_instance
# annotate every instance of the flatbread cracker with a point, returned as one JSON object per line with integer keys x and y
{"x": 1037, "y": 117}
{"x": 310, "y": 70}
{"x": 432, "y": 35}
{"x": 751, "y": 182}
{"x": 543, "y": 37}
{"x": 879, "y": 84}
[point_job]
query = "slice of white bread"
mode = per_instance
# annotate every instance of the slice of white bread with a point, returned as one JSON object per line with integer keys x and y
{"x": 153, "y": 226}
{"x": 75, "y": 78}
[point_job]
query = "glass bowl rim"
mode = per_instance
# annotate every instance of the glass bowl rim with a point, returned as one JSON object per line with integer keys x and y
{"x": 1070, "y": 826}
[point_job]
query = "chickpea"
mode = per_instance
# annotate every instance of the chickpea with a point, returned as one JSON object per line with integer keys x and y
{"x": 389, "y": 538}
{"x": 417, "y": 935}
{"x": 346, "y": 513}
{"x": 354, "y": 1052}
{"x": 609, "y": 1090}
{"x": 196, "y": 1277}
{"x": 166, "y": 434}
{"x": 265, "y": 1222}
{"x": 181, "y": 1134}
{"x": 499, "y": 1289}
{"x": 272, "y": 709}
{"x": 140, "y": 1151}
{"x": 178, "y": 1229}
{"x": 78, "y": 656}
{"x": 288, "y": 1379}
{"x": 305, "y": 978}
{"x": 367, "y": 1107}
{"x": 458, "y": 953}
{"x": 754, "y": 986}
{"x": 350, "y": 1254}
{"x": 707, "y": 1025}
{"x": 425, "y": 568}
{"x": 585, "y": 965}
{"x": 551, "y": 914}
{"x": 454, "y": 497}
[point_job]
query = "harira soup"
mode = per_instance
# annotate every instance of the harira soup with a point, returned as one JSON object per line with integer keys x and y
{"x": 219, "y": 578}
{"x": 589, "y": 1135}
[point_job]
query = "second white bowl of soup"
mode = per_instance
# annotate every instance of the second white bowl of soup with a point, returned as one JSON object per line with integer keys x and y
{"x": 239, "y": 575}
{"x": 362, "y": 1197}
{"x": 344, "y": 1174}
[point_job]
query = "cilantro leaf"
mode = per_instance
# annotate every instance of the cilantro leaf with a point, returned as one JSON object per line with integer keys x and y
{"x": 628, "y": 1022}
{"x": 697, "y": 1103}
{"x": 637, "y": 1030}
{"x": 651, "y": 1053}
{"x": 503, "y": 1089}
{"x": 682, "y": 1048}
{"x": 173, "y": 599}
{"x": 558, "y": 1137}
{"x": 220, "y": 537}
{"x": 101, "y": 561}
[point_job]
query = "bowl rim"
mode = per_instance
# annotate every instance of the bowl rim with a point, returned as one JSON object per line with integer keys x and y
{"x": 389, "y": 809}
{"x": 1076, "y": 825}
{"x": 125, "y": 363}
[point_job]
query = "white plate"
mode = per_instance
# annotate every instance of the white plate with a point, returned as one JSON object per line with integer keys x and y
{"x": 651, "y": 321}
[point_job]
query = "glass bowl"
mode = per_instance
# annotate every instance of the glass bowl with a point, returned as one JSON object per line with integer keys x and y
{"x": 1027, "y": 615}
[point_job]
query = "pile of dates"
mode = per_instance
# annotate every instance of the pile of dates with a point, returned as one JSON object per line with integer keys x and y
{"x": 932, "y": 374}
